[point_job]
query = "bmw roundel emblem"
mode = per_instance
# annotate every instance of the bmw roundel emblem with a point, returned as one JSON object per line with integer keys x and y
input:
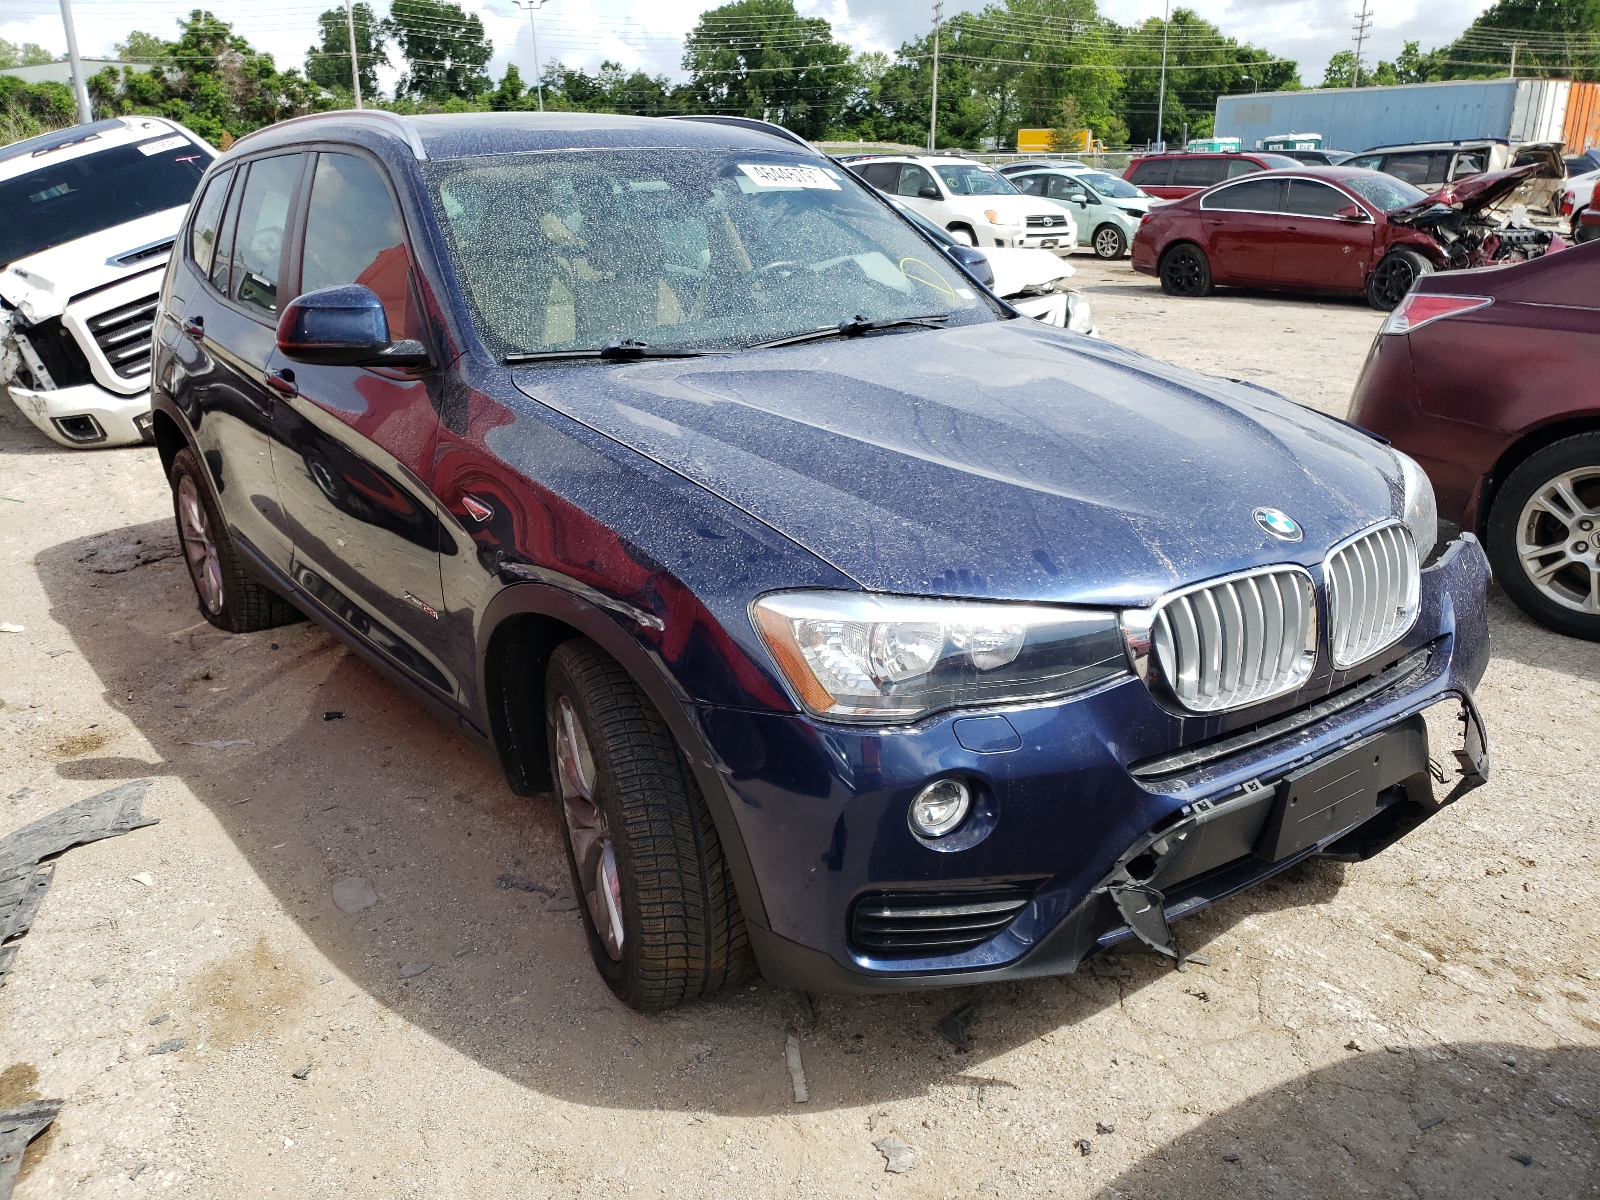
{"x": 1278, "y": 523}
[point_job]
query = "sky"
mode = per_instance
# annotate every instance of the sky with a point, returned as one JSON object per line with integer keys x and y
{"x": 649, "y": 33}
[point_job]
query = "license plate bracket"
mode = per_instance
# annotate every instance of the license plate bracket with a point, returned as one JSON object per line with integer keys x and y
{"x": 1327, "y": 797}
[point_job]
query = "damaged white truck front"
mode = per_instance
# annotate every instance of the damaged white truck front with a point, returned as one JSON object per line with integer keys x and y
{"x": 90, "y": 214}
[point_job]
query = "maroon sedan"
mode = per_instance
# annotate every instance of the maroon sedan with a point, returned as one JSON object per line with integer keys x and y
{"x": 1174, "y": 176}
{"x": 1332, "y": 230}
{"x": 1487, "y": 378}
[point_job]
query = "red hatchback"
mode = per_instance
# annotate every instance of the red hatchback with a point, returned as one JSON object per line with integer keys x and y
{"x": 1487, "y": 378}
{"x": 1174, "y": 176}
{"x": 1335, "y": 230}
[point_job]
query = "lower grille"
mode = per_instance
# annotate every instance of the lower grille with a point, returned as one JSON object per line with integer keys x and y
{"x": 928, "y": 924}
{"x": 123, "y": 335}
{"x": 1238, "y": 641}
{"x": 1373, "y": 592}
{"x": 59, "y": 354}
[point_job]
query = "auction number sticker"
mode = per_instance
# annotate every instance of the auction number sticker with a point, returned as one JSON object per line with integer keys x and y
{"x": 167, "y": 143}
{"x": 768, "y": 176}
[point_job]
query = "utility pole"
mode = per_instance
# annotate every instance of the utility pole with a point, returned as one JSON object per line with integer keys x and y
{"x": 79, "y": 88}
{"x": 1161, "y": 99}
{"x": 355, "y": 61}
{"x": 933, "y": 107}
{"x": 1363, "y": 26}
{"x": 1513, "y": 60}
{"x": 534, "y": 6}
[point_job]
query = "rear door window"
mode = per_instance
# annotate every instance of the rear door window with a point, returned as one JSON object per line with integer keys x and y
{"x": 880, "y": 175}
{"x": 1307, "y": 198}
{"x": 208, "y": 222}
{"x": 1199, "y": 172}
{"x": 1253, "y": 195}
{"x": 354, "y": 235}
{"x": 1367, "y": 162}
{"x": 258, "y": 244}
{"x": 1029, "y": 185}
{"x": 1156, "y": 174}
{"x": 1419, "y": 167}
{"x": 1469, "y": 162}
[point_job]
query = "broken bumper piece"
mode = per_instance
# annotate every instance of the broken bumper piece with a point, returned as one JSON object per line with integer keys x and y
{"x": 86, "y": 415}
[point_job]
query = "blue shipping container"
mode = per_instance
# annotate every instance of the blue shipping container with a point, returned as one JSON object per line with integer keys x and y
{"x": 1354, "y": 119}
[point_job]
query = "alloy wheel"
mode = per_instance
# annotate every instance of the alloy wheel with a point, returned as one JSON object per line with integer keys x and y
{"x": 199, "y": 546}
{"x": 1108, "y": 243}
{"x": 587, "y": 829}
{"x": 1395, "y": 275}
{"x": 1556, "y": 540}
{"x": 1182, "y": 272}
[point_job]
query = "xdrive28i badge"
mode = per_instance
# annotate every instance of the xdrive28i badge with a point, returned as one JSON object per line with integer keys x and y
{"x": 1279, "y": 524}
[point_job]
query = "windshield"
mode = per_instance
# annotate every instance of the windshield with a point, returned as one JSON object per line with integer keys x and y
{"x": 693, "y": 249}
{"x": 969, "y": 179}
{"x": 84, "y": 195}
{"x": 1384, "y": 192}
{"x": 1112, "y": 185}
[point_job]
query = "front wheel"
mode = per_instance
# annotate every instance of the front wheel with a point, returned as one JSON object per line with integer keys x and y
{"x": 1109, "y": 242}
{"x": 1394, "y": 276}
{"x": 228, "y": 597}
{"x": 1542, "y": 536}
{"x": 1185, "y": 271}
{"x": 658, "y": 902}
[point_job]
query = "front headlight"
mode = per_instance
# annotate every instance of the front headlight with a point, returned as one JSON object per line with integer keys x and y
{"x": 996, "y": 217}
{"x": 854, "y": 656}
{"x": 1421, "y": 511}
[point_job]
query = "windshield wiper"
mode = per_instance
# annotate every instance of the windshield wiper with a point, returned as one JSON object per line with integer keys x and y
{"x": 624, "y": 351}
{"x": 857, "y": 326}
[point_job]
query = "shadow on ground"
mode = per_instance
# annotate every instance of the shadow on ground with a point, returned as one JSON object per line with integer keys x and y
{"x": 1512, "y": 1120}
{"x": 385, "y": 792}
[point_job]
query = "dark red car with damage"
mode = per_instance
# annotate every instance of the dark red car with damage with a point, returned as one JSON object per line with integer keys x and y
{"x": 1488, "y": 379}
{"x": 1333, "y": 230}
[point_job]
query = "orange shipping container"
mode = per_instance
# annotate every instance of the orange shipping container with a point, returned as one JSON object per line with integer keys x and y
{"x": 1581, "y": 128}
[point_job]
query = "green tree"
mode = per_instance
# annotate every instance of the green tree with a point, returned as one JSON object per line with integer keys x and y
{"x": 1340, "y": 70}
{"x": 26, "y": 55}
{"x": 510, "y": 95}
{"x": 760, "y": 58}
{"x": 1550, "y": 38}
{"x": 445, "y": 50}
{"x": 30, "y": 109}
{"x": 141, "y": 48}
{"x": 328, "y": 64}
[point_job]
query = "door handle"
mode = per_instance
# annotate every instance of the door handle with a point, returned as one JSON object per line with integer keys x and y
{"x": 283, "y": 381}
{"x": 195, "y": 327}
{"x": 1291, "y": 229}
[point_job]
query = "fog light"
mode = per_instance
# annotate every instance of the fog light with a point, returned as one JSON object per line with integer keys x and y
{"x": 940, "y": 807}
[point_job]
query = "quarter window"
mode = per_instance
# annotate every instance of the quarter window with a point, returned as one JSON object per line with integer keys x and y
{"x": 222, "y": 257}
{"x": 1253, "y": 195}
{"x": 1243, "y": 166}
{"x": 258, "y": 245}
{"x": 1308, "y": 198}
{"x": 207, "y": 220}
{"x": 354, "y": 235}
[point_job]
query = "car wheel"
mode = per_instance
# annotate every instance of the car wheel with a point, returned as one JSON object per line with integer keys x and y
{"x": 963, "y": 235}
{"x": 228, "y": 597}
{"x": 1394, "y": 276}
{"x": 1542, "y": 532}
{"x": 1109, "y": 242}
{"x": 658, "y": 904}
{"x": 1185, "y": 271}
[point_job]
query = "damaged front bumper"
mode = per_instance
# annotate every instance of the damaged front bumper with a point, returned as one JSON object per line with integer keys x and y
{"x": 1104, "y": 834}
{"x": 86, "y": 415}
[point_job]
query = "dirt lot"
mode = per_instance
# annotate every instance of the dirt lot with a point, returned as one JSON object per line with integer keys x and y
{"x": 1426, "y": 1024}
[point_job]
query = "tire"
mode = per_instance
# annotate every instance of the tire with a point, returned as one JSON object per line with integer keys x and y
{"x": 658, "y": 904}
{"x": 1395, "y": 275}
{"x": 1529, "y": 513}
{"x": 1185, "y": 271}
{"x": 228, "y": 597}
{"x": 1109, "y": 242}
{"x": 963, "y": 235}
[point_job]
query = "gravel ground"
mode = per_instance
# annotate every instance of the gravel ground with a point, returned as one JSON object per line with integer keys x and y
{"x": 1424, "y": 1024}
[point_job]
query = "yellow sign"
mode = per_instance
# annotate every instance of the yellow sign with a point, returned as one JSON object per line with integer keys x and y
{"x": 1043, "y": 141}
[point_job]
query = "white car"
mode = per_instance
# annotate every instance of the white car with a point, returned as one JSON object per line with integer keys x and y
{"x": 977, "y": 205}
{"x": 1578, "y": 197}
{"x": 1032, "y": 281}
{"x": 91, "y": 214}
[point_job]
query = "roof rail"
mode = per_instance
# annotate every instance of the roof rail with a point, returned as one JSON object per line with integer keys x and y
{"x": 744, "y": 123}
{"x": 394, "y": 122}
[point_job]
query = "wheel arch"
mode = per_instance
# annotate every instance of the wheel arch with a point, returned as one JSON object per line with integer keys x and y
{"x": 1526, "y": 445}
{"x": 524, "y": 625}
{"x": 1177, "y": 243}
{"x": 169, "y": 438}
{"x": 966, "y": 226}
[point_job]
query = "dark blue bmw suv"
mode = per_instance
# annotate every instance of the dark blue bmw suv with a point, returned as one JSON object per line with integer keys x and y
{"x": 867, "y": 634}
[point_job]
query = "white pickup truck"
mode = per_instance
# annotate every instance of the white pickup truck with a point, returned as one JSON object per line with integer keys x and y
{"x": 90, "y": 217}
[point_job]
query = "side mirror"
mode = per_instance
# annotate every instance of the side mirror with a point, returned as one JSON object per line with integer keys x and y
{"x": 343, "y": 327}
{"x": 1351, "y": 212}
{"x": 974, "y": 261}
{"x": 928, "y": 192}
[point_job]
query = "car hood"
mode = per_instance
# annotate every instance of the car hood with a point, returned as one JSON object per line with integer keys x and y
{"x": 1019, "y": 268}
{"x": 1008, "y": 460}
{"x": 43, "y": 284}
{"x": 1471, "y": 195}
